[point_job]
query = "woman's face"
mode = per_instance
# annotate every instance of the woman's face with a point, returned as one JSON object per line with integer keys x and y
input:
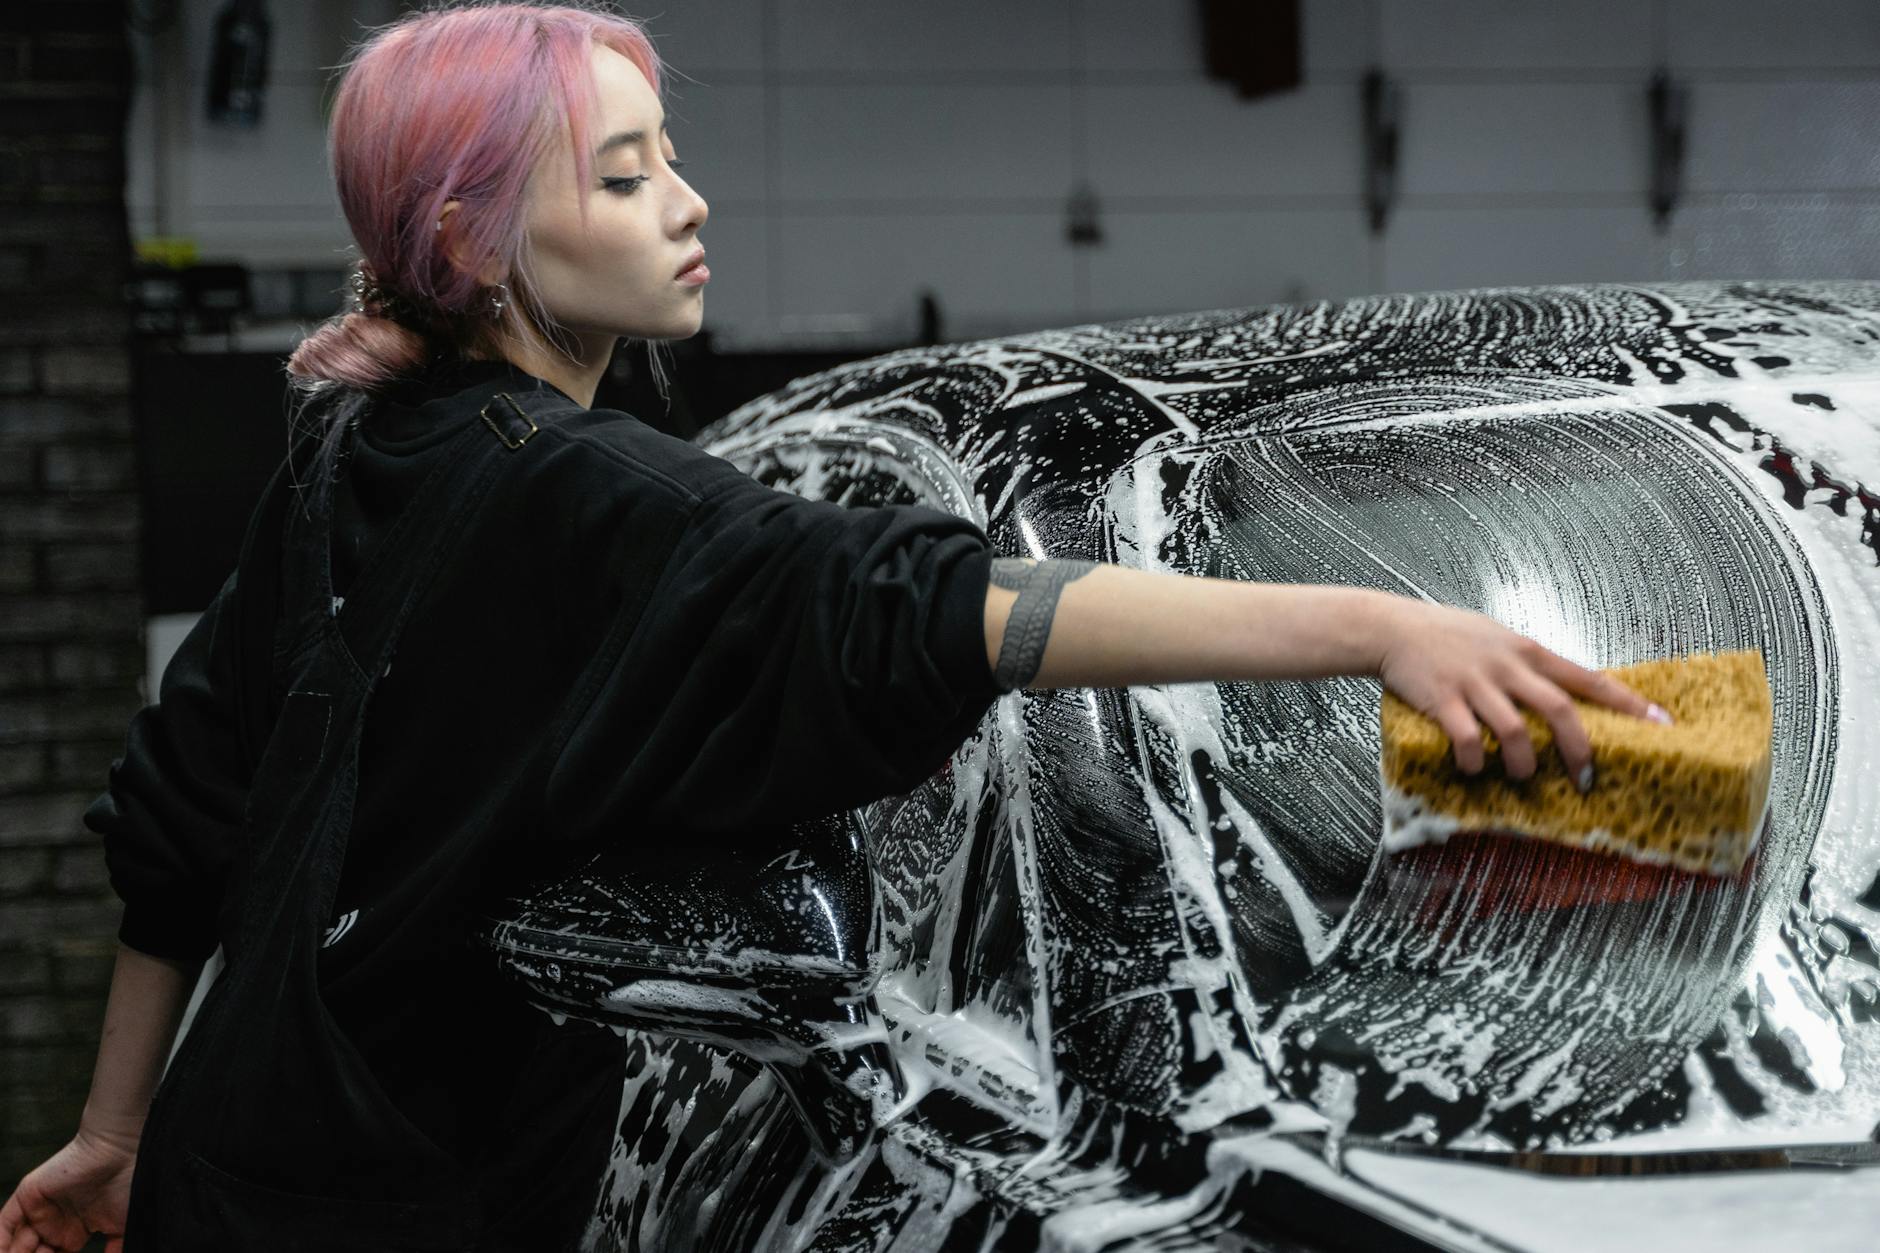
{"x": 617, "y": 276}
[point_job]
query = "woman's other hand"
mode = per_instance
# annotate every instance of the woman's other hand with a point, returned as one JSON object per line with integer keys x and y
{"x": 84, "y": 1188}
{"x": 1457, "y": 665}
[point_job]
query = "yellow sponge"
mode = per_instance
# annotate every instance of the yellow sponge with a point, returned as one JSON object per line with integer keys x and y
{"x": 1694, "y": 794}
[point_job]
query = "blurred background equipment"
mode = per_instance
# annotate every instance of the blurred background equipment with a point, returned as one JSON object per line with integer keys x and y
{"x": 238, "y": 76}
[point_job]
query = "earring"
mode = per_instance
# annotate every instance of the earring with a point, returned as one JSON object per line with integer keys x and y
{"x": 497, "y": 303}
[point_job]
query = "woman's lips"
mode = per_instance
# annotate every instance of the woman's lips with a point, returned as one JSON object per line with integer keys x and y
{"x": 695, "y": 276}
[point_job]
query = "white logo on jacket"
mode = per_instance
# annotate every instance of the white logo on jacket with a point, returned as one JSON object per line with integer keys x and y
{"x": 340, "y": 928}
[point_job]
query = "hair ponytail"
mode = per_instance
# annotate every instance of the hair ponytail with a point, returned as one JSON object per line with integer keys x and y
{"x": 359, "y": 350}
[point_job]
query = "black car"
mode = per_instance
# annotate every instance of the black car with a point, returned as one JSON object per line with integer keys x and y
{"x": 1133, "y": 970}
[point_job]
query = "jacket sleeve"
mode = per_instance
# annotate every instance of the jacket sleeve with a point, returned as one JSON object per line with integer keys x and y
{"x": 795, "y": 658}
{"x": 171, "y": 817}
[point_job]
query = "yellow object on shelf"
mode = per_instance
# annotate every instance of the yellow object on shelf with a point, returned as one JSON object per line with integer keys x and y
{"x": 176, "y": 251}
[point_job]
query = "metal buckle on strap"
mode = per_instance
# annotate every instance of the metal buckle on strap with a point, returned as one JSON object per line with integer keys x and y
{"x": 515, "y": 424}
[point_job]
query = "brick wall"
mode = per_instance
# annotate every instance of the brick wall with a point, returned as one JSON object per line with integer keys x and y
{"x": 71, "y": 626}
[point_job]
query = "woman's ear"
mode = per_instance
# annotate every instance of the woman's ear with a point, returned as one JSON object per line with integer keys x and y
{"x": 492, "y": 272}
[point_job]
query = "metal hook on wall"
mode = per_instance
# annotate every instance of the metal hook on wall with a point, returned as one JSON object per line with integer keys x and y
{"x": 1380, "y": 147}
{"x": 1668, "y": 110}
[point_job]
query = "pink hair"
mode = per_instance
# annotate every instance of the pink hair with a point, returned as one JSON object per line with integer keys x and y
{"x": 456, "y": 102}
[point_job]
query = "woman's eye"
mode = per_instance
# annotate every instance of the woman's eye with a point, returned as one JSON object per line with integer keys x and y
{"x": 625, "y": 186}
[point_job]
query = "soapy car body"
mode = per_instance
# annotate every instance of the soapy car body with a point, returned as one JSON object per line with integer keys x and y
{"x": 1120, "y": 969}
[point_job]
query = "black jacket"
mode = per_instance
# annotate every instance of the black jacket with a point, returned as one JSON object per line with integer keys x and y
{"x": 700, "y": 657}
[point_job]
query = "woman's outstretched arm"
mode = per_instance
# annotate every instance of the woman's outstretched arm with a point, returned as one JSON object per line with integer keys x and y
{"x": 1063, "y": 623}
{"x": 1111, "y": 626}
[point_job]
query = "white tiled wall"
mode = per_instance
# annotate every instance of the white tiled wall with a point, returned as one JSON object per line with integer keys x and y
{"x": 856, "y": 154}
{"x": 1786, "y": 135}
{"x": 1565, "y": 142}
{"x": 1764, "y": 35}
{"x": 1436, "y": 247}
{"x": 1571, "y": 36}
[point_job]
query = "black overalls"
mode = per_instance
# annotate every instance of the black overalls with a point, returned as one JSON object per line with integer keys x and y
{"x": 269, "y": 1131}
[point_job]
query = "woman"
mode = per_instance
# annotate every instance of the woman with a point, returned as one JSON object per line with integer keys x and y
{"x": 601, "y": 633}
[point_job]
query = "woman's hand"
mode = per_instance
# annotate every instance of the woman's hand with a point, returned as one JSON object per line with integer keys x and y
{"x": 1456, "y": 666}
{"x": 82, "y": 1189}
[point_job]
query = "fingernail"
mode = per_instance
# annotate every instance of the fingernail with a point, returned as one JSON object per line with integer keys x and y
{"x": 1658, "y": 715}
{"x": 1586, "y": 777}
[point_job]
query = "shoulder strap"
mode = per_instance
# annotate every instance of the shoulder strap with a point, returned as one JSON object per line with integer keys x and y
{"x": 401, "y": 567}
{"x": 256, "y": 623}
